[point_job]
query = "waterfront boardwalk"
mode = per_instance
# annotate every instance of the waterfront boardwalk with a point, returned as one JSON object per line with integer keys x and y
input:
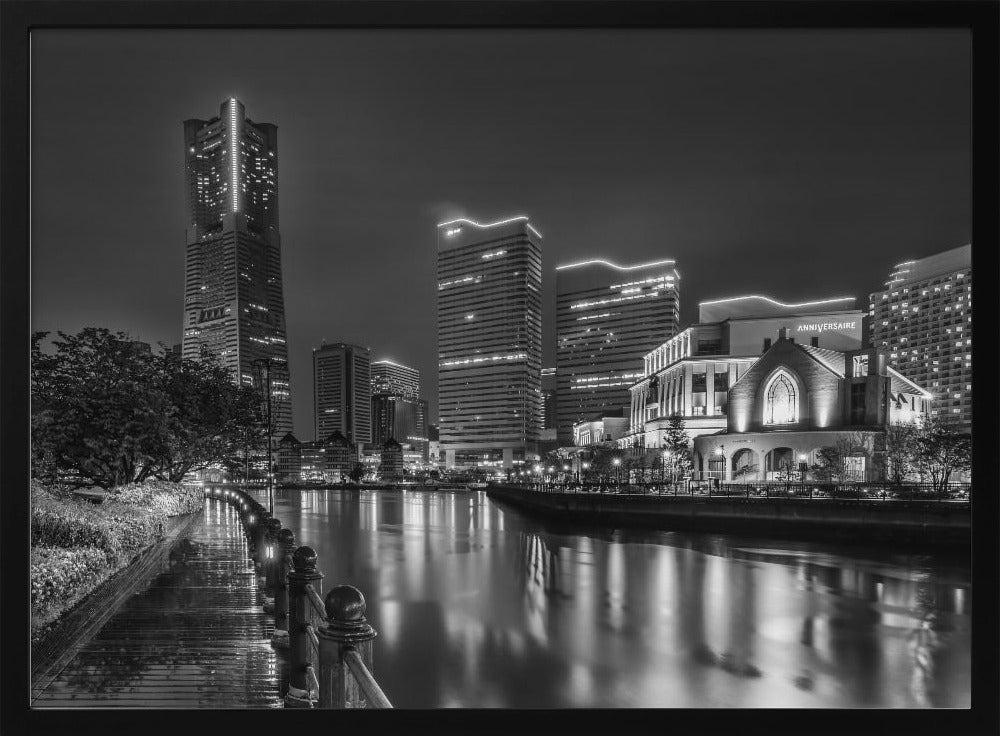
{"x": 196, "y": 637}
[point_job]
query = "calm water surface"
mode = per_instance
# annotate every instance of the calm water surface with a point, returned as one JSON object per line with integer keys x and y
{"x": 478, "y": 605}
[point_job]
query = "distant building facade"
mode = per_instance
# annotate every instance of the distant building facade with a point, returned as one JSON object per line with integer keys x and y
{"x": 690, "y": 374}
{"x": 489, "y": 313}
{"x": 923, "y": 319}
{"x": 607, "y": 317}
{"x": 391, "y": 466}
{"x": 599, "y": 429}
{"x": 233, "y": 300}
{"x": 395, "y": 379}
{"x": 342, "y": 391}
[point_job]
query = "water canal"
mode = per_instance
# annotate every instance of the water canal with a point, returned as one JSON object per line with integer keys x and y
{"x": 477, "y": 605}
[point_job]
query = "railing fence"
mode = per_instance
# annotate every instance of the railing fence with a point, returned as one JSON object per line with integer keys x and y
{"x": 329, "y": 641}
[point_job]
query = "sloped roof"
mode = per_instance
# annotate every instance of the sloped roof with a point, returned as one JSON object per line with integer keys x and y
{"x": 834, "y": 360}
{"x": 289, "y": 438}
{"x": 337, "y": 438}
{"x": 900, "y": 384}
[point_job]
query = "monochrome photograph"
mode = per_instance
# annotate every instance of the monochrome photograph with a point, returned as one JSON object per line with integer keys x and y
{"x": 502, "y": 368}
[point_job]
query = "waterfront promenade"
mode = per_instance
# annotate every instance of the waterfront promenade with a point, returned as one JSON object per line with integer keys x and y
{"x": 196, "y": 637}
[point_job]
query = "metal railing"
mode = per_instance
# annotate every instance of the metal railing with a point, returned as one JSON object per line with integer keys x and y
{"x": 329, "y": 641}
{"x": 866, "y": 491}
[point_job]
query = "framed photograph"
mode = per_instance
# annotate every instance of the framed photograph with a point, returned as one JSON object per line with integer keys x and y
{"x": 550, "y": 366}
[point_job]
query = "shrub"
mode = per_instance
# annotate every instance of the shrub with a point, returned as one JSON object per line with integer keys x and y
{"x": 61, "y": 576}
{"x": 169, "y": 499}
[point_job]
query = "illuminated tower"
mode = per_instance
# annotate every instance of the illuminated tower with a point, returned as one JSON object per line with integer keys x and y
{"x": 607, "y": 318}
{"x": 923, "y": 318}
{"x": 233, "y": 301}
{"x": 489, "y": 342}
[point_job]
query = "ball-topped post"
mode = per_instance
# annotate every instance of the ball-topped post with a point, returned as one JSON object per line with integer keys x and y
{"x": 346, "y": 630}
{"x": 285, "y": 549}
{"x": 300, "y": 615}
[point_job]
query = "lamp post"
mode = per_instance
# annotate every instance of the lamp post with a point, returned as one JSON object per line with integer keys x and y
{"x": 617, "y": 463}
{"x": 264, "y": 364}
{"x": 721, "y": 451}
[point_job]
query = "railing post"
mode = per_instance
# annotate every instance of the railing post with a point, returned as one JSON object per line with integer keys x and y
{"x": 285, "y": 548}
{"x": 271, "y": 558}
{"x": 299, "y": 646}
{"x": 346, "y": 628}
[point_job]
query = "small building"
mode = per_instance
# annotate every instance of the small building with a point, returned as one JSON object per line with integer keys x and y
{"x": 289, "y": 459}
{"x": 796, "y": 400}
{"x": 392, "y": 460}
{"x": 600, "y": 428}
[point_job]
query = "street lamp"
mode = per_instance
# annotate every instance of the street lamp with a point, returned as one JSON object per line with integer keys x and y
{"x": 617, "y": 463}
{"x": 265, "y": 365}
{"x": 721, "y": 452}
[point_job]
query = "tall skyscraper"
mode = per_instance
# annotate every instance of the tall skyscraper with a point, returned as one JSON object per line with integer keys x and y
{"x": 923, "y": 318}
{"x": 398, "y": 412}
{"x": 342, "y": 391}
{"x": 233, "y": 301}
{"x": 607, "y": 318}
{"x": 489, "y": 313}
{"x": 394, "y": 379}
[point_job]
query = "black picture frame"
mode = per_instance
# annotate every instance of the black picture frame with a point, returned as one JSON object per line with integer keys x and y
{"x": 19, "y": 18}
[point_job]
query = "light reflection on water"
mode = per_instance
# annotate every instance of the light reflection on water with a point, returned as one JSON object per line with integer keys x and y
{"x": 477, "y": 605}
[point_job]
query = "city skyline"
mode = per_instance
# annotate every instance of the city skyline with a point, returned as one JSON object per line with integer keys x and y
{"x": 869, "y": 172}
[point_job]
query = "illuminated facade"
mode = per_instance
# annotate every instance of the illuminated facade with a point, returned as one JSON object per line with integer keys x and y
{"x": 342, "y": 391}
{"x": 923, "y": 319}
{"x": 607, "y": 317}
{"x": 690, "y": 374}
{"x": 233, "y": 300}
{"x": 394, "y": 379}
{"x": 489, "y": 313}
{"x": 797, "y": 399}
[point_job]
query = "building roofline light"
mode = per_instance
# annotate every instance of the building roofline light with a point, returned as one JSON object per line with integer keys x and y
{"x": 615, "y": 265}
{"x": 777, "y": 303}
{"x": 509, "y": 220}
{"x": 390, "y": 362}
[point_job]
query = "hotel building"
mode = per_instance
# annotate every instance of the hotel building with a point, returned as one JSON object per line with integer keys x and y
{"x": 233, "y": 300}
{"x": 489, "y": 315}
{"x": 607, "y": 317}
{"x": 797, "y": 399}
{"x": 690, "y": 374}
{"x": 342, "y": 392}
{"x": 923, "y": 319}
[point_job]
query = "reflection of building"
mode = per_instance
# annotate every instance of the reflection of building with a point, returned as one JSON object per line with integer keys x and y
{"x": 607, "y": 318}
{"x": 797, "y": 399}
{"x": 691, "y": 374}
{"x": 599, "y": 428}
{"x": 923, "y": 319}
{"x": 233, "y": 301}
{"x": 342, "y": 391}
{"x": 489, "y": 342}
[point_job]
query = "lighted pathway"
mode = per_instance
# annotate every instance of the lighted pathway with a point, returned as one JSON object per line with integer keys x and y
{"x": 195, "y": 638}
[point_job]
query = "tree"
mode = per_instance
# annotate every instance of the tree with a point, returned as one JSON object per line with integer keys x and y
{"x": 106, "y": 413}
{"x": 899, "y": 448}
{"x": 829, "y": 465}
{"x": 677, "y": 444}
{"x": 357, "y": 473}
{"x": 99, "y": 411}
{"x": 941, "y": 450}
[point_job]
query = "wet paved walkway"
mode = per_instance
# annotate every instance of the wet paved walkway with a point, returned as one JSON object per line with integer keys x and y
{"x": 195, "y": 638}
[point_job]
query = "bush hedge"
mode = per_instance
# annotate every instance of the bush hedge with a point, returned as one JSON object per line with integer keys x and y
{"x": 60, "y": 576}
{"x": 77, "y": 544}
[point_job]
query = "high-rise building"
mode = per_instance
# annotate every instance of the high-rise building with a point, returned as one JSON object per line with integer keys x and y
{"x": 489, "y": 313}
{"x": 342, "y": 391}
{"x": 401, "y": 419}
{"x": 393, "y": 379}
{"x": 233, "y": 301}
{"x": 607, "y": 318}
{"x": 548, "y": 399}
{"x": 923, "y": 318}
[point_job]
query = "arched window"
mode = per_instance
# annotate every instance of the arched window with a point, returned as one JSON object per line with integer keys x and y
{"x": 781, "y": 402}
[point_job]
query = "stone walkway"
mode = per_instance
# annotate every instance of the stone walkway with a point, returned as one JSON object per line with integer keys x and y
{"x": 195, "y": 638}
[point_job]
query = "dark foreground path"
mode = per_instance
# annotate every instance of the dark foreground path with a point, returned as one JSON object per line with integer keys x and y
{"x": 195, "y": 638}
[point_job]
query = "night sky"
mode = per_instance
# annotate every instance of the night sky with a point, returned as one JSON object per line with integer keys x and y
{"x": 793, "y": 164}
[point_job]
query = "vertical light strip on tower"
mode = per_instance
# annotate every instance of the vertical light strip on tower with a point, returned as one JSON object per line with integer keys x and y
{"x": 234, "y": 152}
